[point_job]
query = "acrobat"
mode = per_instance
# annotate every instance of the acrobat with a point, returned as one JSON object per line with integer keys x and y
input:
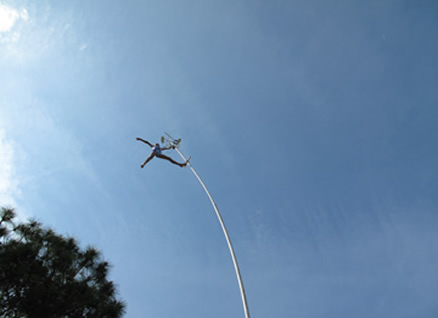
{"x": 157, "y": 152}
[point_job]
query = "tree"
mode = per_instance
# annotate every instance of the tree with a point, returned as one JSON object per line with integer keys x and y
{"x": 43, "y": 274}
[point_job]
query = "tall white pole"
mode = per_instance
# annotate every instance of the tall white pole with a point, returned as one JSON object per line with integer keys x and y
{"x": 227, "y": 237}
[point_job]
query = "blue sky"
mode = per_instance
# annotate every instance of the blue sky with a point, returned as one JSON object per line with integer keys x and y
{"x": 313, "y": 123}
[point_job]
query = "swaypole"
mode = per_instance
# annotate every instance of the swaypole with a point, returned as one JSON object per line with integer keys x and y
{"x": 175, "y": 143}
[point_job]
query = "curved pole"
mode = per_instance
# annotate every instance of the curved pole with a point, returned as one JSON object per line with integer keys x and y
{"x": 224, "y": 229}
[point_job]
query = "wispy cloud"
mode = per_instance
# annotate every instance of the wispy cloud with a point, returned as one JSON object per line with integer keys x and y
{"x": 8, "y": 182}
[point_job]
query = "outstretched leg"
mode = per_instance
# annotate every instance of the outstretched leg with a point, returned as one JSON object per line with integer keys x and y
{"x": 148, "y": 159}
{"x": 171, "y": 160}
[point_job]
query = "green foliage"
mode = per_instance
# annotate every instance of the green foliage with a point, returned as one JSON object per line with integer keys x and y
{"x": 43, "y": 274}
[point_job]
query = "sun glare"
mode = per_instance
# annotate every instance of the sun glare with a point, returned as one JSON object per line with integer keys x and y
{"x": 8, "y": 17}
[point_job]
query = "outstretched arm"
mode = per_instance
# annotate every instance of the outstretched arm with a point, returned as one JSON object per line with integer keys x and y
{"x": 145, "y": 141}
{"x": 166, "y": 148}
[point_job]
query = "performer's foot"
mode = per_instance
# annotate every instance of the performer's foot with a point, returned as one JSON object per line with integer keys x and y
{"x": 142, "y": 166}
